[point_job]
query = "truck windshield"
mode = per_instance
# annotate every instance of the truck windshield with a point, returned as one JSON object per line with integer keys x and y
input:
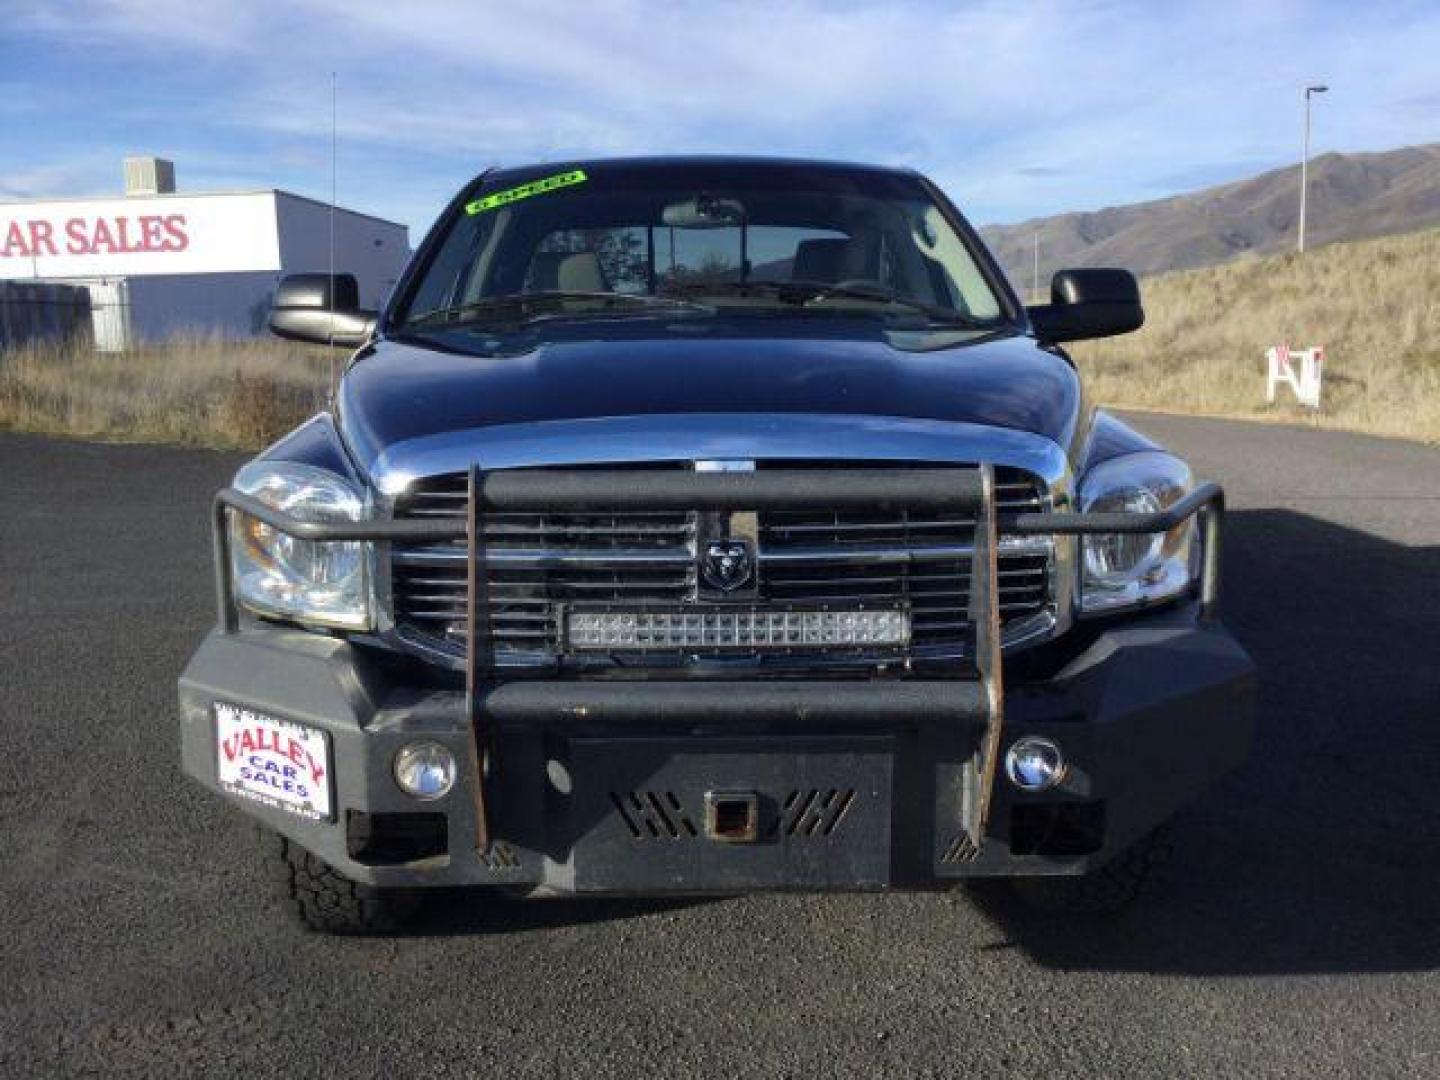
{"x": 625, "y": 239}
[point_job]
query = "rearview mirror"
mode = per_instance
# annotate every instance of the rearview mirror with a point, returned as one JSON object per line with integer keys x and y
{"x": 703, "y": 212}
{"x": 1092, "y": 303}
{"x": 321, "y": 309}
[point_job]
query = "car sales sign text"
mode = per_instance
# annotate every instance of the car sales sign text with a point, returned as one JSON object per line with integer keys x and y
{"x": 273, "y": 761}
{"x": 119, "y": 237}
{"x": 35, "y": 237}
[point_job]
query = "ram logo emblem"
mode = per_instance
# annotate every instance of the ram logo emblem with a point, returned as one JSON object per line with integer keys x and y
{"x": 727, "y": 565}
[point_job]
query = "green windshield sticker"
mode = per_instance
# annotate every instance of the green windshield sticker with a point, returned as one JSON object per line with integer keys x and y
{"x": 524, "y": 191}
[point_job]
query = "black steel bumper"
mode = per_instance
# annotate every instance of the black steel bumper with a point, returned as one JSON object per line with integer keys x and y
{"x": 587, "y": 785}
{"x": 603, "y": 785}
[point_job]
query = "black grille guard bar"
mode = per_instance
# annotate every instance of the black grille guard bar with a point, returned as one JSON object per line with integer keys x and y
{"x": 1209, "y": 497}
{"x": 953, "y": 489}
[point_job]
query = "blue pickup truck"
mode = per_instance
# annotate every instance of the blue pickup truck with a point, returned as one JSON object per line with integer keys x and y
{"x": 707, "y": 525}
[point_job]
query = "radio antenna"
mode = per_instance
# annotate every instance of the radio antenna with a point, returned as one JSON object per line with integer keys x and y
{"x": 334, "y": 196}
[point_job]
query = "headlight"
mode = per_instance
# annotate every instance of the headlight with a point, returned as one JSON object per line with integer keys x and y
{"x": 326, "y": 584}
{"x": 1121, "y": 570}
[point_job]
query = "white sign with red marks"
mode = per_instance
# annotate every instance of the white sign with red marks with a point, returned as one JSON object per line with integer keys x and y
{"x": 271, "y": 761}
{"x": 1281, "y": 367}
{"x": 124, "y": 237}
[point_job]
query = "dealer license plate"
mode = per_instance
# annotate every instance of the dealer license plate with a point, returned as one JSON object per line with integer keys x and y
{"x": 272, "y": 761}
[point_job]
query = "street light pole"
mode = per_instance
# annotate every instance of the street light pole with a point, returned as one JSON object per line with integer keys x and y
{"x": 1305, "y": 162}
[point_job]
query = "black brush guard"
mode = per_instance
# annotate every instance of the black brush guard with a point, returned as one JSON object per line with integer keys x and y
{"x": 970, "y": 697}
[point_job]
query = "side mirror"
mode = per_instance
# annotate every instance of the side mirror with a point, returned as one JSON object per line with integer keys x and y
{"x": 321, "y": 309}
{"x": 1092, "y": 303}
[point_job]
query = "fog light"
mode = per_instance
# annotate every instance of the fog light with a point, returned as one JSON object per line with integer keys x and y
{"x": 1035, "y": 764}
{"x": 425, "y": 770}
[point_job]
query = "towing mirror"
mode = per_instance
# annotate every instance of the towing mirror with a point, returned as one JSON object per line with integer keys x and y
{"x": 1091, "y": 303}
{"x": 321, "y": 309}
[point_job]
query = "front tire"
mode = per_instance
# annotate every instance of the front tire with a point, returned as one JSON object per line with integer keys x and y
{"x": 328, "y": 902}
{"x": 1105, "y": 890}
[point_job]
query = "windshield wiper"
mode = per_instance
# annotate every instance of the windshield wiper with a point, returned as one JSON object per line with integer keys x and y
{"x": 802, "y": 292}
{"x": 523, "y": 303}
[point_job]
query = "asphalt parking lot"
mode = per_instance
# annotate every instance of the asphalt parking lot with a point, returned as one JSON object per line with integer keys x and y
{"x": 1296, "y": 933}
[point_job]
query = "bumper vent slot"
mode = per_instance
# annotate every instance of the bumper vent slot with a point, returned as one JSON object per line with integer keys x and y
{"x": 501, "y": 856}
{"x": 812, "y": 813}
{"x": 960, "y": 850}
{"x": 653, "y": 815}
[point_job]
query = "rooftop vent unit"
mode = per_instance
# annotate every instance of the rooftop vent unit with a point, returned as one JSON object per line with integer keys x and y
{"x": 149, "y": 176}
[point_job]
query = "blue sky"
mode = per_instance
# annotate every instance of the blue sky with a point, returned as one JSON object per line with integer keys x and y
{"x": 1018, "y": 110}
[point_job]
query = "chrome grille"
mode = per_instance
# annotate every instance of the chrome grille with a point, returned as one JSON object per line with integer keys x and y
{"x": 815, "y": 557}
{"x": 535, "y": 562}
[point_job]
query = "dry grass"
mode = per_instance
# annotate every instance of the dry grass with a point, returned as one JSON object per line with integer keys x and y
{"x": 201, "y": 392}
{"x": 1373, "y": 304}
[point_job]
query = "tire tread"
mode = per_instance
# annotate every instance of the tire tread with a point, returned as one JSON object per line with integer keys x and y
{"x": 328, "y": 902}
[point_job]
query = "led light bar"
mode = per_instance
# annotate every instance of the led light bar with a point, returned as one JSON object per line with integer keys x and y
{"x": 753, "y": 630}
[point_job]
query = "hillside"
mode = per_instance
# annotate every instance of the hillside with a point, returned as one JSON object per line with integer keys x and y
{"x": 1374, "y": 305}
{"x": 1351, "y": 196}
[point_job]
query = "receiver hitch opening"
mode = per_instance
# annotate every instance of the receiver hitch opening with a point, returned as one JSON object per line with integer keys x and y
{"x": 732, "y": 817}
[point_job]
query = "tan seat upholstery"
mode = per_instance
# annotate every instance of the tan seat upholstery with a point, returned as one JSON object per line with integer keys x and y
{"x": 580, "y": 273}
{"x": 552, "y": 270}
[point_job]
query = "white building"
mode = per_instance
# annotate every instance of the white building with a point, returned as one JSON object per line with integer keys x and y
{"x": 160, "y": 264}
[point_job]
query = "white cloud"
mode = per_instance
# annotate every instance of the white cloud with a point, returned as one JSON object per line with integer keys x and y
{"x": 149, "y": 24}
{"x": 1016, "y": 109}
{"x": 42, "y": 181}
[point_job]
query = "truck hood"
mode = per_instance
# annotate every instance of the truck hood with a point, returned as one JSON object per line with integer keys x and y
{"x": 401, "y": 395}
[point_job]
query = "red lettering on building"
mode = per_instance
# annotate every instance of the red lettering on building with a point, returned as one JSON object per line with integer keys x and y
{"x": 77, "y": 243}
{"x": 101, "y": 241}
{"x": 15, "y": 246}
{"x": 96, "y": 236}
{"x": 150, "y": 233}
{"x": 175, "y": 226}
{"x": 42, "y": 238}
